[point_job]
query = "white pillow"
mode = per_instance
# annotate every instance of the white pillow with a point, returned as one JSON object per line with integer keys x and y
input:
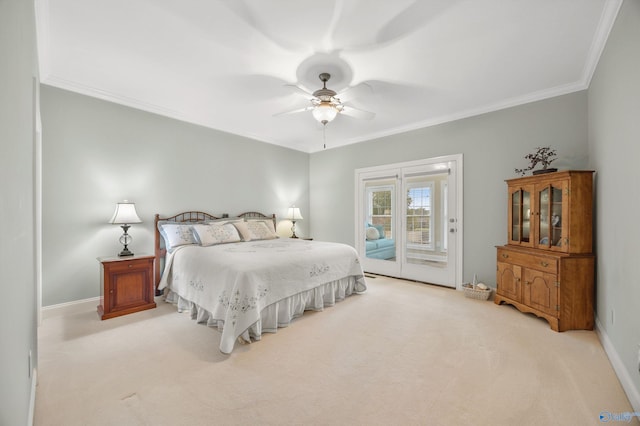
{"x": 243, "y": 229}
{"x": 259, "y": 230}
{"x": 175, "y": 235}
{"x": 214, "y": 233}
{"x": 372, "y": 233}
{"x": 267, "y": 222}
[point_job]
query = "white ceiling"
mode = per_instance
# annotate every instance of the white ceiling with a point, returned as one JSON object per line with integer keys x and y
{"x": 226, "y": 64}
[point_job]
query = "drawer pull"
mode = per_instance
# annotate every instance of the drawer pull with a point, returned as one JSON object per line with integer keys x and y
{"x": 545, "y": 264}
{"x": 130, "y": 266}
{"x": 504, "y": 255}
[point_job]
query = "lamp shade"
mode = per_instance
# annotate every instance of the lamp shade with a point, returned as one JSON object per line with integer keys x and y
{"x": 125, "y": 213}
{"x": 294, "y": 213}
{"x": 324, "y": 112}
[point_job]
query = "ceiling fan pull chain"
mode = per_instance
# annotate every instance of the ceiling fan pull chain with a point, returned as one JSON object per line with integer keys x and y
{"x": 324, "y": 135}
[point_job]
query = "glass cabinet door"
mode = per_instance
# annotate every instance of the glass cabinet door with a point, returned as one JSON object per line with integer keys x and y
{"x": 543, "y": 218}
{"x": 520, "y": 216}
{"x": 556, "y": 217}
{"x": 516, "y": 215}
{"x": 526, "y": 216}
{"x": 559, "y": 210}
{"x": 551, "y": 229}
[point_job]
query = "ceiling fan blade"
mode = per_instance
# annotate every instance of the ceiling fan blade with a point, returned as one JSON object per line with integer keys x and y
{"x": 300, "y": 91}
{"x": 294, "y": 111}
{"x": 410, "y": 20}
{"x": 253, "y": 15}
{"x": 357, "y": 113}
{"x": 252, "y": 87}
{"x": 357, "y": 91}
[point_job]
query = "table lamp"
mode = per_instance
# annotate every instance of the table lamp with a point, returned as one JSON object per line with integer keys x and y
{"x": 124, "y": 215}
{"x": 293, "y": 214}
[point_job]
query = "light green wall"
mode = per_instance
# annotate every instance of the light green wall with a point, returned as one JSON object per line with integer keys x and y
{"x": 492, "y": 145}
{"x": 96, "y": 153}
{"x": 614, "y": 151}
{"x": 17, "y": 245}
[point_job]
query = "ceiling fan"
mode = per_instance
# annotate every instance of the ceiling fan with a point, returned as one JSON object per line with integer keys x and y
{"x": 326, "y": 104}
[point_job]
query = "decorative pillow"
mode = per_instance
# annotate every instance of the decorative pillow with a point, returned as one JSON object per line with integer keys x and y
{"x": 259, "y": 230}
{"x": 243, "y": 229}
{"x": 214, "y": 233}
{"x": 380, "y": 229}
{"x": 267, "y": 222}
{"x": 176, "y": 234}
{"x": 372, "y": 233}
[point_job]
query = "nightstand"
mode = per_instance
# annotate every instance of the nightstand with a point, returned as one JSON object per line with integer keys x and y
{"x": 126, "y": 285}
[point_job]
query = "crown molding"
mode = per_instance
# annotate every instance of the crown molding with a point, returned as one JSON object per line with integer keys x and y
{"x": 484, "y": 109}
{"x": 607, "y": 20}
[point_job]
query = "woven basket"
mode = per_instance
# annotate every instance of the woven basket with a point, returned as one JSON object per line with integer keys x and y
{"x": 475, "y": 293}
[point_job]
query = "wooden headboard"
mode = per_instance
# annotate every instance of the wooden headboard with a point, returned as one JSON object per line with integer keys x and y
{"x": 191, "y": 216}
{"x": 257, "y": 215}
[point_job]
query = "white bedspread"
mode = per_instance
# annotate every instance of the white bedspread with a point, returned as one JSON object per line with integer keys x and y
{"x": 236, "y": 281}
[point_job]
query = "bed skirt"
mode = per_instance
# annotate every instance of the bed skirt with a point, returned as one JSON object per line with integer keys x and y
{"x": 281, "y": 313}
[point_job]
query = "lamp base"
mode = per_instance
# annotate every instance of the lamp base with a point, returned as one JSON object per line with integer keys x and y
{"x": 125, "y": 252}
{"x": 125, "y": 240}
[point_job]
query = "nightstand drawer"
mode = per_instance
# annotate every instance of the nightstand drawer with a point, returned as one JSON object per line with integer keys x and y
{"x": 128, "y": 266}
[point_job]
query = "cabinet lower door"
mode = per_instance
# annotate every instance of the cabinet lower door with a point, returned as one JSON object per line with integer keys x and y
{"x": 130, "y": 289}
{"x": 508, "y": 281}
{"x": 540, "y": 291}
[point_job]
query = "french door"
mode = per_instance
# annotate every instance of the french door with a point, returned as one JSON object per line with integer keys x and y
{"x": 408, "y": 220}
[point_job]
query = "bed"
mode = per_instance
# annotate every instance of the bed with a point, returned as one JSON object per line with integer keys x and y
{"x": 237, "y": 275}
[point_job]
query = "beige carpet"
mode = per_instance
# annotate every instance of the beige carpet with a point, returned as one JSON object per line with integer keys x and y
{"x": 403, "y": 353}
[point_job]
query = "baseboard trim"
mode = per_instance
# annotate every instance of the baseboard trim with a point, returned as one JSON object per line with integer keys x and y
{"x": 623, "y": 375}
{"x": 32, "y": 399}
{"x": 68, "y": 307}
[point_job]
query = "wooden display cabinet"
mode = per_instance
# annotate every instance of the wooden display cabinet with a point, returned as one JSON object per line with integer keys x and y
{"x": 547, "y": 267}
{"x": 552, "y": 211}
{"x": 126, "y": 285}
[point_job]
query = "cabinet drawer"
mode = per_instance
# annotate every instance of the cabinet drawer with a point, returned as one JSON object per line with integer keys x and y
{"x": 120, "y": 267}
{"x": 541, "y": 263}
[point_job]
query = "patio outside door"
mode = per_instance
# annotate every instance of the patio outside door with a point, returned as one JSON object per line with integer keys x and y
{"x": 409, "y": 220}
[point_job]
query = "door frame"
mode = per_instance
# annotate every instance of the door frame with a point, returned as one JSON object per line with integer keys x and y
{"x": 383, "y": 170}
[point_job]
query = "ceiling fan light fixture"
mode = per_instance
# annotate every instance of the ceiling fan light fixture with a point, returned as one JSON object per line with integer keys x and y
{"x": 324, "y": 112}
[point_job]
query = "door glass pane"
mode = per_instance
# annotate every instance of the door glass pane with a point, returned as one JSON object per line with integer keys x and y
{"x": 556, "y": 216}
{"x": 426, "y": 220}
{"x": 526, "y": 216}
{"x": 379, "y": 232}
{"x": 544, "y": 218}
